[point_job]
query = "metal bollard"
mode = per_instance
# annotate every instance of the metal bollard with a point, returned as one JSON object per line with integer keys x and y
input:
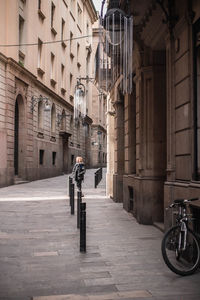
{"x": 83, "y": 227}
{"x": 95, "y": 180}
{"x": 70, "y": 183}
{"x": 79, "y": 199}
{"x": 72, "y": 199}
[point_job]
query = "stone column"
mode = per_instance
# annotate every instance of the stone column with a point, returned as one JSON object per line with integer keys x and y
{"x": 130, "y": 134}
{"x": 110, "y": 153}
{"x": 150, "y": 186}
{"x": 119, "y": 151}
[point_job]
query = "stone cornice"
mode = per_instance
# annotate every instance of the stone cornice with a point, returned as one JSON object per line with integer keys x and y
{"x": 21, "y": 69}
{"x": 88, "y": 120}
{"x": 34, "y": 79}
{"x": 3, "y": 58}
{"x": 100, "y": 127}
{"x": 56, "y": 96}
{"x": 180, "y": 26}
{"x": 95, "y": 31}
{"x": 91, "y": 10}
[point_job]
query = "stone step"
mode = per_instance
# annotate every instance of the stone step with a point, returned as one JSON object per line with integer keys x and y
{"x": 19, "y": 180}
{"x": 105, "y": 296}
{"x": 159, "y": 225}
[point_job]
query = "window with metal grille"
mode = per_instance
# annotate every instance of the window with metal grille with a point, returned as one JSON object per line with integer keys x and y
{"x": 53, "y": 158}
{"x": 41, "y": 157}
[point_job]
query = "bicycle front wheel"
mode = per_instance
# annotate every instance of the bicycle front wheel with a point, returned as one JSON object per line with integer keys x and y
{"x": 181, "y": 261}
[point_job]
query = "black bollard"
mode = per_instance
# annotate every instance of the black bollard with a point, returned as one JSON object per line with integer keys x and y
{"x": 83, "y": 227}
{"x": 79, "y": 199}
{"x": 95, "y": 180}
{"x": 70, "y": 183}
{"x": 72, "y": 199}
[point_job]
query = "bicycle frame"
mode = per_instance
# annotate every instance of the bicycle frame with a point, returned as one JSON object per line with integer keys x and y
{"x": 184, "y": 230}
{"x": 181, "y": 220}
{"x": 180, "y": 246}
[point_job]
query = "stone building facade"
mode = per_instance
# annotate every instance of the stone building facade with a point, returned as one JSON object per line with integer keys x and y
{"x": 44, "y": 47}
{"x": 98, "y": 154}
{"x": 154, "y": 131}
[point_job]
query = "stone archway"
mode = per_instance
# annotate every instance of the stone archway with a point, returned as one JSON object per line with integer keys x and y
{"x": 19, "y": 138}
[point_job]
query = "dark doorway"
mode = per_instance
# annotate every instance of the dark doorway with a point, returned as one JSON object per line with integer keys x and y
{"x": 19, "y": 138}
{"x": 65, "y": 156}
{"x": 16, "y": 149}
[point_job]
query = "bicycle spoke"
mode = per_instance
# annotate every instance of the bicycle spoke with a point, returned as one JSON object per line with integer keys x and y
{"x": 181, "y": 260}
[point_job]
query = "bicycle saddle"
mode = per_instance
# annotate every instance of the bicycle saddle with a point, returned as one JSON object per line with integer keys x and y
{"x": 179, "y": 201}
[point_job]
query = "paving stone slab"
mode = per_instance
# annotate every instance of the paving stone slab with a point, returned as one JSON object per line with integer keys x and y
{"x": 39, "y": 248}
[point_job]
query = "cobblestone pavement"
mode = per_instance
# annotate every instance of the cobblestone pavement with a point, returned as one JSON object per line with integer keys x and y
{"x": 39, "y": 249}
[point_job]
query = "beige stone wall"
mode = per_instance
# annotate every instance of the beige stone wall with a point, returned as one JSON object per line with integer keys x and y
{"x": 110, "y": 147}
{"x": 130, "y": 134}
{"x": 25, "y": 74}
{"x": 4, "y": 163}
{"x": 181, "y": 168}
{"x": 162, "y": 140}
{"x": 182, "y": 105}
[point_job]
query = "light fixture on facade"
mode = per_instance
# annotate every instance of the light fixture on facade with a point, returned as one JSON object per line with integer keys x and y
{"x": 79, "y": 101}
{"x": 36, "y": 100}
{"x": 80, "y": 95}
{"x": 61, "y": 117}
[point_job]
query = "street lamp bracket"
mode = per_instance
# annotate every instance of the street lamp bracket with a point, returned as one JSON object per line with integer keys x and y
{"x": 61, "y": 116}
{"x": 36, "y": 100}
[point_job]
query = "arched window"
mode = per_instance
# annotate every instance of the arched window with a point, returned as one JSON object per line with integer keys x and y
{"x": 63, "y": 120}
{"x": 40, "y": 115}
{"x": 53, "y": 118}
{"x": 78, "y": 132}
{"x": 71, "y": 122}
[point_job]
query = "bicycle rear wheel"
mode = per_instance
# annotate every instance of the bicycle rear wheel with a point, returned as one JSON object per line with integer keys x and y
{"x": 182, "y": 262}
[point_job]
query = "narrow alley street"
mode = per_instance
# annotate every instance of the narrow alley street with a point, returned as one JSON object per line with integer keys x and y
{"x": 39, "y": 248}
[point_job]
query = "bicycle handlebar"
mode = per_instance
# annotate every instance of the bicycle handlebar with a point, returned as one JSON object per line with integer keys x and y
{"x": 193, "y": 199}
{"x": 179, "y": 202}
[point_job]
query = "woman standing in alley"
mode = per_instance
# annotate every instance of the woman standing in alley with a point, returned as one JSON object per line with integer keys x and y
{"x": 79, "y": 172}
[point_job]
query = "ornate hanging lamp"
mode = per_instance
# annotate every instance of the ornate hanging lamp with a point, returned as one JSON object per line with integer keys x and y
{"x": 116, "y": 42}
{"x": 113, "y": 23}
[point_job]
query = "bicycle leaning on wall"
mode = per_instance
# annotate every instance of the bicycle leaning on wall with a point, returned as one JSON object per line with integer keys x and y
{"x": 180, "y": 245}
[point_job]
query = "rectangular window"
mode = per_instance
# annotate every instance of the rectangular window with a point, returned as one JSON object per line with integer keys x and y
{"x": 39, "y": 4}
{"x": 78, "y": 57}
{"x": 131, "y": 199}
{"x": 72, "y": 159}
{"x": 79, "y": 15}
{"x": 78, "y": 51}
{"x": 71, "y": 84}
{"x": 71, "y": 42}
{"x": 39, "y": 53}
{"x": 198, "y": 112}
{"x": 87, "y": 32}
{"x": 41, "y": 157}
{"x": 72, "y": 6}
{"x": 62, "y": 76}
{"x": 62, "y": 30}
{"x": 53, "y": 158}
{"x": 197, "y": 99}
{"x": 21, "y": 31}
{"x": 52, "y": 65}
{"x": 99, "y": 157}
{"x": 52, "y": 13}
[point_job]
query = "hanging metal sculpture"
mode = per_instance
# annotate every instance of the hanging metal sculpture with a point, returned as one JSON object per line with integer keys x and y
{"x": 115, "y": 50}
{"x": 79, "y": 102}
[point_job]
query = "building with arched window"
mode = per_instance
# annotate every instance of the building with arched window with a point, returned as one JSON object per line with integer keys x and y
{"x": 38, "y": 76}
